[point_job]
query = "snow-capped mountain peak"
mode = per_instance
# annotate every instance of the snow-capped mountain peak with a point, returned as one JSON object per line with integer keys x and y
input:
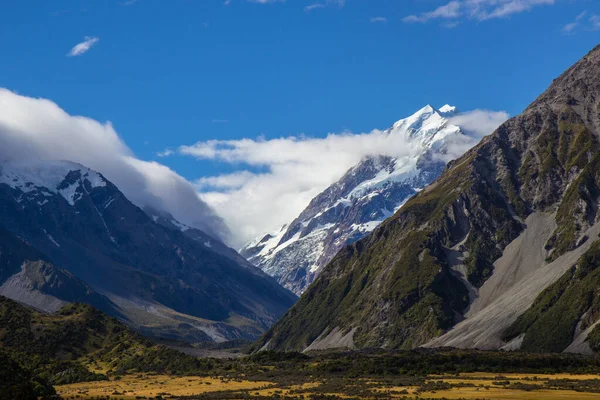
{"x": 364, "y": 197}
{"x": 425, "y": 126}
{"x": 66, "y": 178}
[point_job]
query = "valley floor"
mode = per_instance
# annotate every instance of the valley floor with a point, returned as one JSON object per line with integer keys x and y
{"x": 489, "y": 386}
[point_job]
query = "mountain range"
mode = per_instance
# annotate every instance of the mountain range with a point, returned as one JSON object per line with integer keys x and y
{"x": 67, "y": 234}
{"x": 356, "y": 204}
{"x": 498, "y": 249}
{"x": 501, "y": 251}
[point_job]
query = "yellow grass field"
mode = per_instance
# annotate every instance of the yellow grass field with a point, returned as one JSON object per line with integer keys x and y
{"x": 482, "y": 386}
{"x": 506, "y": 394}
{"x": 130, "y": 387}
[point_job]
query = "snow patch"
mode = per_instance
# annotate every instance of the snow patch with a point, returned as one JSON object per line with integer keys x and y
{"x": 51, "y": 238}
{"x": 109, "y": 202}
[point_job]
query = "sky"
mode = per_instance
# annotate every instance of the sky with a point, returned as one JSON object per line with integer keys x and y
{"x": 267, "y": 79}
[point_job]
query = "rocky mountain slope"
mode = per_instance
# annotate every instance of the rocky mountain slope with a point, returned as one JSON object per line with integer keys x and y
{"x": 499, "y": 252}
{"x": 355, "y": 205}
{"x": 68, "y": 234}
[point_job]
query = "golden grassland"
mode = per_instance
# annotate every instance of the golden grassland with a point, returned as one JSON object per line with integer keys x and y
{"x": 464, "y": 386}
{"x": 132, "y": 386}
{"x": 508, "y": 394}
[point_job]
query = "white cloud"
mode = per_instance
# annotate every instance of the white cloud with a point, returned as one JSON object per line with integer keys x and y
{"x": 165, "y": 153}
{"x": 83, "y": 47}
{"x": 314, "y": 6}
{"x": 595, "y": 22}
{"x": 450, "y": 10}
{"x": 479, "y": 123}
{"x": 479, "y": 10}
{"x": 299, "y": 168}
{"x": 38, "y": 128}
{"x": 591, "y": 23}
{"x": 378, "y": 20}
{"x": 326, "y": 3}
{"x": 568, "y": 28}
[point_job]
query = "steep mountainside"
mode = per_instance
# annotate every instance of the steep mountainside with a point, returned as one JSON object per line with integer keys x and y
{"x": 80, "y": 239}
{"x": 355, "y": 205}
{"x": 501, "y": 247}
{"x": 168, "y": 221}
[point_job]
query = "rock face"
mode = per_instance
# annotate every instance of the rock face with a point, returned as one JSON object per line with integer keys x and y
{"x": 354, "y": 206}
{"x": 81, "y": 239}
{"x": 501, "y": 251}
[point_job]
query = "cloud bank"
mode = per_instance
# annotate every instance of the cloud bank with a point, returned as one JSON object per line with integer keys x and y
{"x": 38, "y": 128}
{"x": 299, "y": 168}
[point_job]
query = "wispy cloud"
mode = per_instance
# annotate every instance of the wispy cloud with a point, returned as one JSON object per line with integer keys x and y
{"x": 326, "y": 3}
{"x": 380, "y": 20}
{"x": 582, "y": 22}
{"x": 450, "y": 10}
{"x": 570, "y": 27}
{"x": 595, "y": 21}
{"x": 314, "y": 6}
{"x": 83, "y": 47}
{"x": 294, "y": 169}
{"x": 262, "y": 1}
{"x": 165, "y": 153}
{"x": 451, "y": 24}
{"x": 479, "y": 10}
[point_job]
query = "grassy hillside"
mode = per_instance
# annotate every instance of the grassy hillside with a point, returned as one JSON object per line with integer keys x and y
{"x": 80, "y": 343}
{"x": 19, "y": 384}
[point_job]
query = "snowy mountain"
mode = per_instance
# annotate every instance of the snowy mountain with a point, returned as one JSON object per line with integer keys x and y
{"x": 363, "y": 198}
{"x": 68, "y": 234}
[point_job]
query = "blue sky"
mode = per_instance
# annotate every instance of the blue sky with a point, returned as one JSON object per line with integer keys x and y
{"x": 172, "y": 73}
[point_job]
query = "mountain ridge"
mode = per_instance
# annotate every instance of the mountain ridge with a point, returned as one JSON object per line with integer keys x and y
{"x": 156, "y": 278}
{"x": 412, "y": 281}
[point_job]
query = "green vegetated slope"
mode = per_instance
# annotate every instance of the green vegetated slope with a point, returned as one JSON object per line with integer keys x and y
{"x": 80, "y": 343}
{"x": 16, "y": 383}
{"x": 571, "y": 303}
{"x": 395, "y": 288}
